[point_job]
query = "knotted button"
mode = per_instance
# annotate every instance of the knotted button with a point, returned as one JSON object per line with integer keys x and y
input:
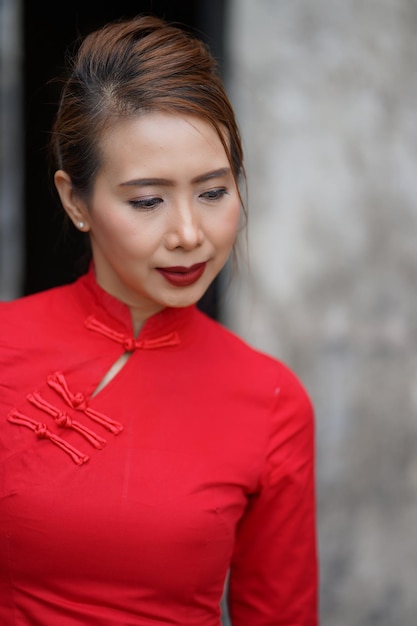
{"x": 63, "y": 420}
{"x": 129, "y": 344}
{"x": 41, "y": 431}
{"x": 79, "y": 402}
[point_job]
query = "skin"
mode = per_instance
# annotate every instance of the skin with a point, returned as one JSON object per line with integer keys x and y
{"x": 165, "y": 196}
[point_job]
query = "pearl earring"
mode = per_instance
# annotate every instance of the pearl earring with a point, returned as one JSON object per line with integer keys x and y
{"x": 80, "y": 225}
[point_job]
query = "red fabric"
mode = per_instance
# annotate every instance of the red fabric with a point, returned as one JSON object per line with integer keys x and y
{"x": 128, "y": 508}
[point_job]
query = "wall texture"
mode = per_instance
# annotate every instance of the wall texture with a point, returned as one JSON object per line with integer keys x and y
{"x": 326, "y": 95}
{"x": 11, "y": 197}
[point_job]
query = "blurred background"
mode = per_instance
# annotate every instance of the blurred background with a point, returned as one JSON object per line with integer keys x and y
{"x": 325, "y": 94}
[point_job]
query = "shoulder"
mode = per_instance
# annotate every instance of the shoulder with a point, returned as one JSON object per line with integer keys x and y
{"x": 275, "y": 406}
{"x": 16, "y": 312}
{"x": 253, "y": 368}
{"x": 31, "y": 302}
{"x": 29, "y": 314}
{"x": 233, "y": 349}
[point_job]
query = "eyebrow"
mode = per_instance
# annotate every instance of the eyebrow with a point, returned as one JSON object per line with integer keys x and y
{"x": 148, "y": 182}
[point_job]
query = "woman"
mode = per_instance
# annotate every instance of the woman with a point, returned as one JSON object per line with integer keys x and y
{"x": 146, "y": 453}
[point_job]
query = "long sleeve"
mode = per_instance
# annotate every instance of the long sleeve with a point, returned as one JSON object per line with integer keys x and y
{"x": 273, "y": 577}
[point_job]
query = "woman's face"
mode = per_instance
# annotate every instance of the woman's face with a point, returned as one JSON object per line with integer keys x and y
{"x": 164, "y": 212}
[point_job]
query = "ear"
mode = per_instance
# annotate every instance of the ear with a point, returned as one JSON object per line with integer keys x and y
{"x": 72, "y": 203}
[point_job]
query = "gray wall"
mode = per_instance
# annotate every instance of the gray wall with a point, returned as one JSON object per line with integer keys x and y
{"x": 11, "y": 203}
{"x": 326, "y": 96}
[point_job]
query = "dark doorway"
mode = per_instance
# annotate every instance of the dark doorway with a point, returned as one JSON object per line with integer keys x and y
{"x": 50, "y": 30}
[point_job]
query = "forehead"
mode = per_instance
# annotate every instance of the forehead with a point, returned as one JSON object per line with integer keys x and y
{"x": 160, "y": 133}
{"x": 177, "y": 148}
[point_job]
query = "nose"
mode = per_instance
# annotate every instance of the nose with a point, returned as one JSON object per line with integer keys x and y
{"x": 185, "y": 229}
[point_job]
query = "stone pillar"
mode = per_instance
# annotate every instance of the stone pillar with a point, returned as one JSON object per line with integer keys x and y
{"x": 326, "y": 97}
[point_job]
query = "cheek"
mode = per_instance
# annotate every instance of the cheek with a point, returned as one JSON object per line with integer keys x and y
{"x": 113, "y": 236}
{"x": 122, "y": 233}
{"x": 230, "y": 225}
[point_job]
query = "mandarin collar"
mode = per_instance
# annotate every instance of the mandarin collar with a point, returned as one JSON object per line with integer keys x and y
{"x": 109, "y": 311}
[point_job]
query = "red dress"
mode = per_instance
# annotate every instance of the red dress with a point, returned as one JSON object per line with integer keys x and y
{"x": 130, "y": 507}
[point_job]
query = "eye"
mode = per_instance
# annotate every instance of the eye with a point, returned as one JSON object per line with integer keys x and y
{"x": 146, "y": 204}
{"x": 214, "y": 194}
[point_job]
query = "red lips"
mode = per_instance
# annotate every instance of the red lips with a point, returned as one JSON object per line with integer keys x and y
{"x": 181, "y": 276}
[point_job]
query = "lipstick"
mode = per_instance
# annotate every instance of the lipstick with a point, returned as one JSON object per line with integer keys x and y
{"x": 181, "y": 276}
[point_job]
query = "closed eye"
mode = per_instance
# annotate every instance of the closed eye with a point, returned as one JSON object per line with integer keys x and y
{"x": 214, "y": 194}
{"x": 146, "y": 204}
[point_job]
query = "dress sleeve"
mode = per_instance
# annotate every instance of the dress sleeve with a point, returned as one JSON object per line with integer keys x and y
{"x": 273, "y": 574}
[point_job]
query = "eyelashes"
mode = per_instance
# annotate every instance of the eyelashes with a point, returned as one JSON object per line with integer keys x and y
{"x": 146, "y": 204}
{"x": 214, "y": 194}
{"x": 153, "y": 202}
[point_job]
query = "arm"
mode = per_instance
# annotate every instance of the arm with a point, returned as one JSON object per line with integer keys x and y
{"x": 273, "y": 576}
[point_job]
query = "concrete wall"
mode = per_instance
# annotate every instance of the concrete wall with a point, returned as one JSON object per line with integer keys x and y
{"x": 11, "y": 197}
{"x": 326, "y": 96}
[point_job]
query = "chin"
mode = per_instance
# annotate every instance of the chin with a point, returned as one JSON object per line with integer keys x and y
{"x": 180, "y": 303}
{"x": 184, "y": 299}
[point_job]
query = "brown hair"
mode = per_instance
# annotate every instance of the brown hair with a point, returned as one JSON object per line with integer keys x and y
{"x": 131, "y": 66}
